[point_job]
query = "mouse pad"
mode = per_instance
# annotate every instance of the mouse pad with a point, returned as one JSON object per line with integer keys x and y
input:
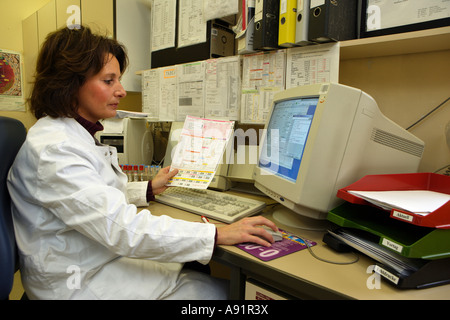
{"x": 289, "y": 244}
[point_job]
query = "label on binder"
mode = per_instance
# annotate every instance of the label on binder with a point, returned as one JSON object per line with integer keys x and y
{"x": 317, "y": 3}
{"x": 387, "y": 275}
{"x": 392, "y": 245}
{"x": 403, "y": 216}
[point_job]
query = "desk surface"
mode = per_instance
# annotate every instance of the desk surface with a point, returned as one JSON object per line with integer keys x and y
{"x": 302, "y": 272}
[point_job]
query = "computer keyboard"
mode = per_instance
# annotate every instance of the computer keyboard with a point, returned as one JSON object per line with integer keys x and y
{"x": 212, "y": 204}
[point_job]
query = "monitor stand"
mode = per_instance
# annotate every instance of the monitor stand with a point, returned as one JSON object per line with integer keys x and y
{"x": 289, "y": 218}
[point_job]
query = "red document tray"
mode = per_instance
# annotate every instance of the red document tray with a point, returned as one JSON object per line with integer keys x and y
{"x": 439, "y": 218}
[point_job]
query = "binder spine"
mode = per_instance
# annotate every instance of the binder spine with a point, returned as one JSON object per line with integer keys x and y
{"x": 302, "y": 23}
{"x": 267, "y": 13}
{"x": 333, "y": 20}
{"x": 287, "y": 25}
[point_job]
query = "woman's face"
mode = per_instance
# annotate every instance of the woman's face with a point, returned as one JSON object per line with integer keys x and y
{"x": 100, "y": 95}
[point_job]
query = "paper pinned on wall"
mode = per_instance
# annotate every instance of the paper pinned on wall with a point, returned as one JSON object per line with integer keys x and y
{"x": 11, "y": 81}
{"x": 222, "y": 88}
{"x": 312, "y": 64}
{"x": 151, "y": 93}
{"x": 263, "y": 75}
{"x": 168, "y": 93}
{"x": 191, "y": 24}
{"x": 214, "y": 9}
{"x": 190, "y": 85}
{"x": 163, "y": 26}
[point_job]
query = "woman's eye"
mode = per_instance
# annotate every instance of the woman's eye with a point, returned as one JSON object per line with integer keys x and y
{"x": 108, "y": 81}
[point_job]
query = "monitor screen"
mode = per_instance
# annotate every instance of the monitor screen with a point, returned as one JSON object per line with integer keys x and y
{"x": 287, "y": 133}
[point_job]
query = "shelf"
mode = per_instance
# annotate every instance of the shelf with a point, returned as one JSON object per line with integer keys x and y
{"x": 397, "y": 44}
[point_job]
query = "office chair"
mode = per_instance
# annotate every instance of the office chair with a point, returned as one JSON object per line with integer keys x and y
{"x": 12, "y": 136}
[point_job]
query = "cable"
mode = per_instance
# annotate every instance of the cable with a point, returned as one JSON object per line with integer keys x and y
{"x": 425, "y": 116}
{"x": 308, "y": 246}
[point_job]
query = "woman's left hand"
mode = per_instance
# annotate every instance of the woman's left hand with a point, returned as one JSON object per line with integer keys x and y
{"x": 160, "y": 180}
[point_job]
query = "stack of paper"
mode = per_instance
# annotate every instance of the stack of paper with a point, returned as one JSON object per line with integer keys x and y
{"x": 420, "y": 202}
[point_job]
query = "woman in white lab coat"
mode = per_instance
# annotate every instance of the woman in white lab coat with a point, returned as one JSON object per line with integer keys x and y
{"x": 78, "y": 229}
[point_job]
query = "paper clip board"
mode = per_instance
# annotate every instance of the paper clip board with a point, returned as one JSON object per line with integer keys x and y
{"x": 439, "y": 218}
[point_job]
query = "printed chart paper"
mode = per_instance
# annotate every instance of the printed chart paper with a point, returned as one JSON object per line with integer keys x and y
{"x": 199, "y": 151}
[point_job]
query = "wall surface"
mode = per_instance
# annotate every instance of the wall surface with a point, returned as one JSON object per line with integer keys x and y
{"x": 13, "y": 12}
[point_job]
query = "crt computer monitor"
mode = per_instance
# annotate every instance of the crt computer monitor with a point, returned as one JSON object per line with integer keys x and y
{"x": 320, "y": 138}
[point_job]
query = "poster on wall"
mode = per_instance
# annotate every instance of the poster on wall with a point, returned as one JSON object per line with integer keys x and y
{"x": 11, "y": 82}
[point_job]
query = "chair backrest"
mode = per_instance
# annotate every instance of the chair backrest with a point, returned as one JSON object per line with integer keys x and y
{"x": 12, "y": 136}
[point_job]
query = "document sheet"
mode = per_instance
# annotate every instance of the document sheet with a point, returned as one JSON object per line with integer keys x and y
{"x": 420, "y": 202}
{"x": 199, "y": 151}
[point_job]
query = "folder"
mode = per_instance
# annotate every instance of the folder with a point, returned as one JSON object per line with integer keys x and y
{"x": 331, "y": 20}
{"x": 302, "y": 23}
{"x": 287, "y": 25}
{"x": 245, "y": 37}
{"x": 266, "y": 24}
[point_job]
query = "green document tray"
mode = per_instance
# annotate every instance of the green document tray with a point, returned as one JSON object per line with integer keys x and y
{"x": 408, "y": 240}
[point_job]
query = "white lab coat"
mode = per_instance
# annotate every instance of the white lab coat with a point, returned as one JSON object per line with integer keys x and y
{"x": 76, "y": 230}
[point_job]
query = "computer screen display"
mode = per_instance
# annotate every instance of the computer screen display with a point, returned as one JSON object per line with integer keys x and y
{"x": 287, "y": 133}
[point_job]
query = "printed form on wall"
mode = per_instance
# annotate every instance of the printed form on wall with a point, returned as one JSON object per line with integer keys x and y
{"x": 151, "y": 93}
{"x": 263, "y": 75}
{"x": 190, "y": 89}
{"x": 11, "y": 82}
{"x": 164, "y": 22}
{"x": 312, "y": 64}
{"x": 222, "y": 88}
{"x": 191, "y": 24}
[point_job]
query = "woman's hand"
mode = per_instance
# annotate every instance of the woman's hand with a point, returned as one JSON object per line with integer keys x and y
{"x": 246, "y": 230}
{"x": 160, "y": 180}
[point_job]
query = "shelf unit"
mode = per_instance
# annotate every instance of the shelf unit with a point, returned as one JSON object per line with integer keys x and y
{"x": 408, "y": 75}
{"x": 397, "y": 44}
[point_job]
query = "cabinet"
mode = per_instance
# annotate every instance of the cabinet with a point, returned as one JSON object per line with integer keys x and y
{"x": 129, "y": 21}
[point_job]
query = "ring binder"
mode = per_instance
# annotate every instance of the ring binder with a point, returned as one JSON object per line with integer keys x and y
{"x": 332, "y": 20}
{"x": 266, "y": 24}
{"x": 287, "y": 26}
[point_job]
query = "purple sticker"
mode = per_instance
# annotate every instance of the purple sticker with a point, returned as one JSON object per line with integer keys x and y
{"x": 289, "y": 244}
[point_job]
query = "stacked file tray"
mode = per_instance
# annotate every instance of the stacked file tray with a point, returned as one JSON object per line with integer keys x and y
{"x": 439, "y": 218}
{"x": 412, "y": 250}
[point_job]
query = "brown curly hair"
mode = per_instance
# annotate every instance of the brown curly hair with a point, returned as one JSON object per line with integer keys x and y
{"x": 67, "y": 59}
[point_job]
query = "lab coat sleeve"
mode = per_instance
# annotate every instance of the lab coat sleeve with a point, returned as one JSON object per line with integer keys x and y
{"x": 137, "y": 193}
{"x": 70, "y": 183}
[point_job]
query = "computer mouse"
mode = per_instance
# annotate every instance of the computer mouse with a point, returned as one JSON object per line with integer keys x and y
{"x": 277, "y": 235}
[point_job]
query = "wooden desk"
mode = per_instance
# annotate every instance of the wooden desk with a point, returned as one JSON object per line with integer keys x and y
{"x": 302, "y": 276}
